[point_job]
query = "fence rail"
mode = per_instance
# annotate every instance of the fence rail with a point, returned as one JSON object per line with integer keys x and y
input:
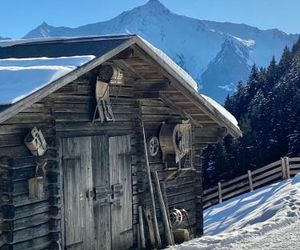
{"x": 284, "y": 168}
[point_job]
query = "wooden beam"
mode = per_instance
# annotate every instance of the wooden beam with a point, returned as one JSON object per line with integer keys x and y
{"x": 141, "y": 228}
{"x": 122, "y": 64}
{"x": 62, "y": 81}
{"x": 147, "y": 53}
{"x": 143, "y": 55}
{"x": 125, "y": 54}
{"x": 152, "y": 91}
{"x": 167, "y": 101}
{"x": 163, "y": 210}
{"x": 156, "y": 228}
{"x": 146, "y": 95}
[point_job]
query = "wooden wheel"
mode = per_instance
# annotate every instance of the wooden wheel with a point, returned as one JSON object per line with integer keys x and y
{"x": 153, "y": 146}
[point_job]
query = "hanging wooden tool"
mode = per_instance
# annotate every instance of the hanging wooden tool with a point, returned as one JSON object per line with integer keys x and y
{"x": 175, "y": 140}
{"x": 36, "y": 184}
{"x": 163, "y": 210}
{"x": 35, "y": 142}
{"x": 156, "y": 229}
{"x": 103, "y": 111}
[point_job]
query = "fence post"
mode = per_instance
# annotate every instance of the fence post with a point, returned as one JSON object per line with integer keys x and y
{"x": 283, "y": 168}
{"x": 220, "y": 192}
{"x": 287, "y": 167}
{"x": 250, "y": 180}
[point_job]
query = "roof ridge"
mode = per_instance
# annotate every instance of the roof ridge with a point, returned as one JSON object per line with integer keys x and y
{"x": 49, "y": 40}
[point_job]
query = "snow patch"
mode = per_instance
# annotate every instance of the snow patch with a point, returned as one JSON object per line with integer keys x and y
{"x": 46, "y": 61}
{"x": 20, "y": 77}
{"x": 252, "y": 219}
{"x": 222, "y": 110}
{"x": 230, "y": 87}
{"x": 249, "y": 43}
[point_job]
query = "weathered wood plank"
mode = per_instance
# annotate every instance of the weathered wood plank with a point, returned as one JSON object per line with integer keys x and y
{"x": 121, "y": 209}
{"x": 262, "y": 169}
{"x": 77, "y": 165}
{"x": 100, "y": 158}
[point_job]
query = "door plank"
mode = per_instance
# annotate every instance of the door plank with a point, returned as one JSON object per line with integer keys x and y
{"x": 121, "y": 207}
{"x": 87, "y": 180}
{"x": 77, "y": 180}
{"x": 101, "y": 179}
{"x": 73, "y": 205}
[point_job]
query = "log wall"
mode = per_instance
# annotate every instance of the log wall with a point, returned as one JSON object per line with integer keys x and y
{"x": 182, "y": 190}
{"x": 28, "y": 222}
{"x": 36, "y": 223}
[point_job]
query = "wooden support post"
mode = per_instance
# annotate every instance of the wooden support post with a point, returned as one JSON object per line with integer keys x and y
{"x": 156, "y": 228}
{"x": 141, "y": 229}
{"x": 163, "y": 210}
{"x": 250, "y": 180}
{"x": 150, "y": 226}
{"x": 220, "y": 192}
{"x": 283, "y": 169}
{"x": 138, "y": 236}
{"x": 164, "y": 193}
{"x": 287, "y": 167}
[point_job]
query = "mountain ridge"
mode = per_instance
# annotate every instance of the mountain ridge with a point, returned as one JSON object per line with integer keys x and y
{"x": 194, "y": 44}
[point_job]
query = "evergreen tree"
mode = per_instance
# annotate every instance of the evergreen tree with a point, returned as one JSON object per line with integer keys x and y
{"x": 285, "y": 61}
{"x": 267, "y": 107}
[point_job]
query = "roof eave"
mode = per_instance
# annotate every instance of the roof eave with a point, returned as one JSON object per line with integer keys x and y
{"x": 57, "y": 84}
{"x": 231, "y": 128}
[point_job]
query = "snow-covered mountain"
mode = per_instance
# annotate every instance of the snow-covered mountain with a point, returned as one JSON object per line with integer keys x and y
{"x": 4, "y": 38}
{"x": 216, "y": 54}
{"x": 231, "y": 64}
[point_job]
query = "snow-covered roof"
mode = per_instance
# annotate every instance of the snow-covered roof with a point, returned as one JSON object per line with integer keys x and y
{"x": 34, "y": 69}
{"x": 20, "y": 77}
{"x": 222, "y": 110}
{"x": 163, "y": 56}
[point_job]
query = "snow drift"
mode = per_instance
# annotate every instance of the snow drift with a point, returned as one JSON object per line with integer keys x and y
{"x": 251, "y": 217}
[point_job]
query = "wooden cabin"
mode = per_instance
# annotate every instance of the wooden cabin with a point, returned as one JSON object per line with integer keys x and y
{"x": 86, "y": 127}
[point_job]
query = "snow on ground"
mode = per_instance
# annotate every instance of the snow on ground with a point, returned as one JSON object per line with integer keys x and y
{"x": 20, "y": 77}
{"x": 267, "y": 218}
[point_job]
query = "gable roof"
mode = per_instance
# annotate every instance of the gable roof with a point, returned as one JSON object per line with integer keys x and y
{"x": 20, "y": 77}
{"x": 102, "y": 48}
{"x": 58, "y": 47}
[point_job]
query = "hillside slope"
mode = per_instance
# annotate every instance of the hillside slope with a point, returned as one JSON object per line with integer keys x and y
{"x": 265, "y": 217}
{"x": 194, "y": 44}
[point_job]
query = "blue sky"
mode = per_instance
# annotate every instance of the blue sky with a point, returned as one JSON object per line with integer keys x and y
{"x": 17, "y": 17}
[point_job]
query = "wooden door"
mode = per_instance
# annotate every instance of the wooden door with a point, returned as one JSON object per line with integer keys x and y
{"x": 97, "y": 193}
{"x": 77, "y": 185}
{"x": 121, "y": 200}
{"x": 113, "y": 194}
{"x": 102, "y": 192}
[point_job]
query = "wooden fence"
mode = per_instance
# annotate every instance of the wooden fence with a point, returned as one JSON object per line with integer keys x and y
{"x": 281, "y": 169}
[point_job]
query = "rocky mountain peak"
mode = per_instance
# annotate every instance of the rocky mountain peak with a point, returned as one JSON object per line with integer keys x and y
{"x": 154, "y": 6}
{"x": 43, "y": 30}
